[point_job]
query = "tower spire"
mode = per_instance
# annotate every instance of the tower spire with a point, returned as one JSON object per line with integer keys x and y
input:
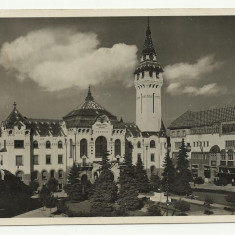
{"x": 148, "y": 48}
{"x": 89, "y": 95}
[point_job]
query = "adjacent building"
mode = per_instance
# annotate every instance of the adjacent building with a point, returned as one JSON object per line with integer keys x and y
{"x": 40, "y": 149}
{"x": 210, "y": 134}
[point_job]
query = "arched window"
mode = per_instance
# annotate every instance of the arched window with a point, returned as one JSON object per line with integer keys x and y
{"x": 83, "y": 147}
{"x": 139, "y": 144}
{"x": 152, "y": 144}
{"x": 230, "y": 155}
{"x": 152, "y": 169}
{"x": 60, "y": 174}
{"x": 34, "y": 175}
{"x": 44, "y": 175}
{"x": 35, "y": 144}
{"x": 48, "y": 144}
{"x": 60, "y": 144}
{"x": 19, "y": 175}
{"x": 100, "y": 146}
{"x": 52, "y": 174}
{"x": 117, "y": 147}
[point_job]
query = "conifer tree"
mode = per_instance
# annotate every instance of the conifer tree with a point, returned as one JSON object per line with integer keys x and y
{"x": 183, "y": 174}
{"x": 141, "y": 177}
{"x": 168, "y": 175}
{"x": 74, "y": 187}
{"x": 155, "y": 182}
{"x": 128, "y": 192}
{"x": 105, "y": 190}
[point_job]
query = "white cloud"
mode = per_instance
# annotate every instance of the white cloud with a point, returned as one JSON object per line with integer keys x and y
{"x": 180, "y": 77}
{"x": 58, "y": 59}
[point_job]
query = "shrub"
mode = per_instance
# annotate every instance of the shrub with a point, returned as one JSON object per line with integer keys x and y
{"x": 199, "y": 180}
{"x": 33, "y": 185}
{"x": 120, "y": 212}
{"x": 208, "y": 201}
{"x": 154, "y": 210}
{"x": 208, "y": 212}
{"x": 181, "y": 205}
{"x": 52, "y": 185}
{"x": 61, "y": 206}
{"x": 221, "y": 182}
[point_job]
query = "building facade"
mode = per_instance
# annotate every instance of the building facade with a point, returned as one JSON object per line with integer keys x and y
{"x": 210, "y": 134}
{"x": 40, "y": 149}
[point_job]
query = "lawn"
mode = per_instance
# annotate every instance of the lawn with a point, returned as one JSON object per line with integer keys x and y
{"x": 217, "y": 197}
{"x": 83, "y": 207}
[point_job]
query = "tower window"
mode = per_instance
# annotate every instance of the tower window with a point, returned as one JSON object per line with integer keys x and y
{"x": 83, "y": 147}
{"x": 139, "y": 144}
{"x": 19, "y": 160}
{"x": 152, "y": 157}
{"x": 117, "y": 147}
{"x": 152, "y": 144}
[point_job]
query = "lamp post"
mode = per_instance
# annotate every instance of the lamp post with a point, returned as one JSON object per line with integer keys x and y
{"x": 66, "y": 161}
{"x": 167, "y": 183}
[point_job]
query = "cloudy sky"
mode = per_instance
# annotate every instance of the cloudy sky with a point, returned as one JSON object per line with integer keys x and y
{"x": 46, "y": 64}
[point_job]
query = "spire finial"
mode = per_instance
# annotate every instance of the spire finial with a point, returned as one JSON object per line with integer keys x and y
{"x": 89, "y": 95}
{"x": 14, "y": 104}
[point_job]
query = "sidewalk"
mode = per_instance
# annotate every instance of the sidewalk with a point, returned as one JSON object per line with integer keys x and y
{"x": 198, "y": 202}
{"x": 39, "y": 213}
{"x": 211, "y": 186}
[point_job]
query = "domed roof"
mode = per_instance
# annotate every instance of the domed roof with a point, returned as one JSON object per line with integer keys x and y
{"x": 85, "y": 114}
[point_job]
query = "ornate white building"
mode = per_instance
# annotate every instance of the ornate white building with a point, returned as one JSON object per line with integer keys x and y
{"x": 39, "y": 149}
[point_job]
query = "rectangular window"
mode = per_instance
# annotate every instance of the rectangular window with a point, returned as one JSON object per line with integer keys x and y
{"x": 230, "y": 143}
{"x": 207, "y": 143}
{"x": 48, "y": 159}
{"x": 213, "y": 163}
{"x": 60, "y": 159}
{"x": 230, "y": 156}
{"x": 194, "y": 144}
{"x": 152, "y": 157}
{"x": 177, "y": 145}
{"x": 178, "y": 133}
{"x": 18, "y": 144}
{"x": 35, "y": 160}
{"x": 184, "y": 133}
{"x": 19, "y": 160}
{"x": 138, "y": 155}
{"x": 173, "y": 134}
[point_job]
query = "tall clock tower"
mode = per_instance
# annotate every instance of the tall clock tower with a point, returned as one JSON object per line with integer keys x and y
{"x": 148, "y": 83}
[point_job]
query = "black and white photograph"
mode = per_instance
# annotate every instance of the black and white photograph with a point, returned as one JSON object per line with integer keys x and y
{"x": 117, "y": 116}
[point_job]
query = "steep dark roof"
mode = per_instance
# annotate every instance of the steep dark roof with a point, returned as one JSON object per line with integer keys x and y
{"x": 148, "y": 55}
{"x": 86, "y": 114}
{"x": 45, "y": 127}
{"x": 132, "y": 130}
{"x": 15, "y": 118}
{"x": 209, "y": 117}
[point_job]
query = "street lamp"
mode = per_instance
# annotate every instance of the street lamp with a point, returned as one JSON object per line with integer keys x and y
{"x": 167, "y": 182}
